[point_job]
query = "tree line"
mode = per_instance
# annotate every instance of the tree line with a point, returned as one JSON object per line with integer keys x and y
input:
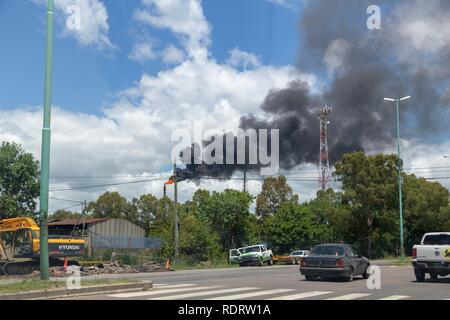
{"x": 364, "y": 212}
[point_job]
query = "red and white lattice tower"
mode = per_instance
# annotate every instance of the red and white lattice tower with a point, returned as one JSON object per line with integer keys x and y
{"x": 324, "y": 164}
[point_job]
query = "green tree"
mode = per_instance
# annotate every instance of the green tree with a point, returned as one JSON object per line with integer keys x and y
{"x": 64, "y": 214}
{"x": 370, "y": 191}
{"x": 330, "y": 210}
{"x": 19, "y": 181}
{"x": 426, "y": 209}
{"x": 275, "y": 192}
{"x": 112, "y": 205}
{"x": 294, "y": 227}
{"x": 197, "y": 241}
{"x": 227, "y": 214}
{"x": 147, "y": 210}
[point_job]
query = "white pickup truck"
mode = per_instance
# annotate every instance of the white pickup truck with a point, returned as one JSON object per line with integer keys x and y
{"x": 432, "y": 256}
{"x": 253, "y": 255}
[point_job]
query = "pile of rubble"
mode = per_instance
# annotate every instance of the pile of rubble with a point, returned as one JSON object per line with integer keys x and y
{"x": 110, "y": 268}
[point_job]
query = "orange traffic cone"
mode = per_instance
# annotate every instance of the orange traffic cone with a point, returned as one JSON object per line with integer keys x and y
{"x": 168, "y": 264}
{"x": 65, "y": 263}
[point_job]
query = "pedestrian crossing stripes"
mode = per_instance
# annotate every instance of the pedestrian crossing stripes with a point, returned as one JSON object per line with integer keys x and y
{"x": 251, "y": 294}
{"x": 157, "y": 292}
{"x": 395, "y": 297}
{"x": 351, "y": 296}
{"x": 299, "y": 296}
{"x": 189, "y": 291}
{"x": 203, "y": 293}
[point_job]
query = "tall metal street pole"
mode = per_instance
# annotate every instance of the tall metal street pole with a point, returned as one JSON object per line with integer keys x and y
{"x": 45, "y": 151}
{"x": 400, "y": 182}
{"x": 399, "y": 174}
{"x": 175, "y": 198}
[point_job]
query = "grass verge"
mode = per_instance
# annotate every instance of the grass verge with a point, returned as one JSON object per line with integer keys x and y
{"x": 37, "y": 284}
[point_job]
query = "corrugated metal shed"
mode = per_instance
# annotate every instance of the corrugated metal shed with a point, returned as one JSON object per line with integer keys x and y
{"x": 117, "y": 228}
{"x": 106, "y": 233}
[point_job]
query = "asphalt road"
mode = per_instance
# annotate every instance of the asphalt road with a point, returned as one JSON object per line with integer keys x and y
{"x": 279, "y": 283}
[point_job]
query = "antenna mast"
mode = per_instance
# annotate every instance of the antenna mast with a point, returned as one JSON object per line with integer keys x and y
{"x": 324, "y": 164}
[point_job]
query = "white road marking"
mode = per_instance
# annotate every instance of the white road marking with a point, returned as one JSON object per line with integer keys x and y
{"x": 395, "y": 297}
{"x": 167, "y": 286}
{"x": 251, "y": 294}
{"x": 202, "y": 293}
{"x": 299, "y": 296}
{"x": 350, "y": 296}
{"x": 157, "y": 292}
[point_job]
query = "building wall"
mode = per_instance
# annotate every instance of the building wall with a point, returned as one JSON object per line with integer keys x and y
{"x": 120, "y": 232}
{"x": 117, "y": 228}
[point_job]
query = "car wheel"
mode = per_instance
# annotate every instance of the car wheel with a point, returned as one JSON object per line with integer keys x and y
{"x": 310, "y": 278}
{"x": 270, "y": 262}
{"x": 433, "y": 275}
{"x": 366, "y": 274}
{"x": 420, "y": 275}
{"x": 350, "y": 275}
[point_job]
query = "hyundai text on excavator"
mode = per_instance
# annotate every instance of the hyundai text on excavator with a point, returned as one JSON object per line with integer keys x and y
{"x": 19, "y": 246}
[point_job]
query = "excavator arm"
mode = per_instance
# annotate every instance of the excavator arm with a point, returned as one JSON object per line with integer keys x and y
{"x": 13, "y": 224}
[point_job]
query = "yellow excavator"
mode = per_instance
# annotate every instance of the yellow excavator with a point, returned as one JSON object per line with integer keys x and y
{"x": 19, "y": 246}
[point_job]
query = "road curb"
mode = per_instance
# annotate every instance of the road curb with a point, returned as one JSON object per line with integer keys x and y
{"x": 63, "y": 293}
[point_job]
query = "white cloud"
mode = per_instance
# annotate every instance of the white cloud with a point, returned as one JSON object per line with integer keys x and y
{"x": 242, "y": 59}
{"x": 173, "y": 55}
{"x": 93, "y": 29}
{"x": 336, "y": 55}
{"x": 288, "y": 4}
{"x": 184, "y": 18}
{"x": 142, "y": 52}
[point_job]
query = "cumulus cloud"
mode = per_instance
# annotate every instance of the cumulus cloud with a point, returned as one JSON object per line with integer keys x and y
{"x": 142, "y": 52}
{"x": 184, "y": 18}
{"x": 173, "y": 55}
{"x": 336, "y": 55}
{"x": 88, "y": 21}
{"x": 242, "y": 59}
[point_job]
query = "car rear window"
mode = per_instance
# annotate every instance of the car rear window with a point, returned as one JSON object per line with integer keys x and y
{"x": 437, "y": 240}
{"x": 328, "y": 251}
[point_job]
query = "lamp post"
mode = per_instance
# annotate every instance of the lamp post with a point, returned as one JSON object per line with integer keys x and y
{"x": 45, "y": 151}
{"x": 399, "y": 169}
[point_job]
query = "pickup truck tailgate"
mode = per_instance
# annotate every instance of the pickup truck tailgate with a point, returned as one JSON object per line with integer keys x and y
{"x": 433, "y": 253}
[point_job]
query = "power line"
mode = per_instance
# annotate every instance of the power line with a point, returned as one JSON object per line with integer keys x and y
{"x": 66, "y": 200}
{"x": 105, "y": 185}
{"x": 66, "y": 208}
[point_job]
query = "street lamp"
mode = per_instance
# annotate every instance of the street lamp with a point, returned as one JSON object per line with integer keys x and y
{"x": 45, "y": 152}
{"x": 399, "y": 168}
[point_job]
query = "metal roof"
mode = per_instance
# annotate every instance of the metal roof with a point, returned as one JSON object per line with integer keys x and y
{"x": 72, "y": 222}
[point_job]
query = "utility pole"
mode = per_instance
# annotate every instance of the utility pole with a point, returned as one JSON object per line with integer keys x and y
{"x": 324, "y": 164}
{"x": 45, "y": 148}
{"x": 175, "y": 196}
{"x": 399, "y": 164}
{"x": 245, "y": 179}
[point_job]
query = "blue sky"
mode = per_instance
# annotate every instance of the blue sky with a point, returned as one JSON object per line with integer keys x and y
{"x": 87, "y": 78}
